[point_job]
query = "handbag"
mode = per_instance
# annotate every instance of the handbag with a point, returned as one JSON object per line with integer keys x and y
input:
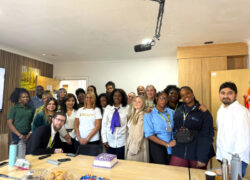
{"x": 184, "y": 135}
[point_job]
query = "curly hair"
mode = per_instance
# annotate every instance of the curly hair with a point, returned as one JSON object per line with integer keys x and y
{"x": 15, "y": 95}
{"x": 124, "y": 101}
{"x": 170, "y": 88}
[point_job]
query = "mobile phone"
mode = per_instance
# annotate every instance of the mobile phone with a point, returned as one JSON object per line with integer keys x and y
{"x": 71, "y": 155}
{"x": 3, "y": 164}
{"x": 45, "y": 156}
{"x": 64, "y": 160}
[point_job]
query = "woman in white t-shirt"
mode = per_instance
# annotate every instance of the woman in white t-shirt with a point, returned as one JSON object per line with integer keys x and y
{"x": 88, "y": 121}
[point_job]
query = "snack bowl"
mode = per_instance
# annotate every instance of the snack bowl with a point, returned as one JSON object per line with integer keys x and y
{"x": 61, "y": 173}
{"x": 36, "y": 174}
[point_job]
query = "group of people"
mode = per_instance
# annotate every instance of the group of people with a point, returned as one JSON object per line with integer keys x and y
{"x": 167, "y": 127}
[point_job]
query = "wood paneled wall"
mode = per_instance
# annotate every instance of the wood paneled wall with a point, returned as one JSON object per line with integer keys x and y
{"x": 213, "y": 50}
{"x": 4, "y": 146}
{"x": 195, "y": 64}
{"x": 13, "y": 64}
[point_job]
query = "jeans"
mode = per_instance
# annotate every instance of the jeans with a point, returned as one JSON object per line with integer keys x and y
{"x": 15, "y": 137}
{"x": 244, "y": 168}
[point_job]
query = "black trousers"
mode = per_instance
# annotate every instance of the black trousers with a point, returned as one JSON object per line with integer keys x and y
{"x": 69, "y": 148}
{"x": 119, "y": 152}
{"x": 158, "y": 154}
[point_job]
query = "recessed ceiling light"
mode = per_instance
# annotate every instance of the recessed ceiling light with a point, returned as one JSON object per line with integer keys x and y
{"x": 44, "y": 54}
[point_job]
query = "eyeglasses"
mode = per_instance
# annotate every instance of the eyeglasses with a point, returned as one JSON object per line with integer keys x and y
{"x": 63, "y": 121}
{"x": 163, "y": 98}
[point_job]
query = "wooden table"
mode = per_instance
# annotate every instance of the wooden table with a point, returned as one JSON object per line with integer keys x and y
{"x": 124, "y": 170}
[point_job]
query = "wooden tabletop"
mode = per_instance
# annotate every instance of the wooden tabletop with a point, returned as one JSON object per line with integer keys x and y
{"x": 124, "y": 170}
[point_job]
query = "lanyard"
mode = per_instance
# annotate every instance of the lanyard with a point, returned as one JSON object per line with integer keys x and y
{"x": 185, "y": 115}
{"x": 176, "y": 107}
{"x": 166, "y": 120}
{"x": 152, "y": 106}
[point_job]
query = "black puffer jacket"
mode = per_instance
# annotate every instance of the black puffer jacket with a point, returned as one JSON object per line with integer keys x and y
{"x": 201, "y": 148}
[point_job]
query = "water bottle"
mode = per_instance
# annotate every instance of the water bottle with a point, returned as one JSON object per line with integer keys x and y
{"x": 225, "y": 169}
{"x": 21, "y": 149}
{"x": 12, "y": 153}
{"x": 236, "y": 167}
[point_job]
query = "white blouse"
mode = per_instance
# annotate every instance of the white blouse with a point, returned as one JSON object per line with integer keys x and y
{"x": 69, "y": 125}
{"x": 118, "y": 138}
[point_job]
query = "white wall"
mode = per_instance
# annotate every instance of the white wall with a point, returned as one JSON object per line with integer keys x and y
{"x": 127, "y": 74}
{"x": 73, "y": 85}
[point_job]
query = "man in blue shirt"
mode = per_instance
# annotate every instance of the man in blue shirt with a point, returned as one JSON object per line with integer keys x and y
{"x": 37, "y": 100}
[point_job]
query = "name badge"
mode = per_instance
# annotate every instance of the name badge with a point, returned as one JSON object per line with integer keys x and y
{"x": 169, "y": 129}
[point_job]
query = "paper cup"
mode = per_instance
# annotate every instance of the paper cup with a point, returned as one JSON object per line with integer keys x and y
{"x": 210, "y": 175}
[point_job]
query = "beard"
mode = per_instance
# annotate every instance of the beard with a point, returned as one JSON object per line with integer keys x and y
{"x": 227, "y": 101}
{"x": 56, "y": 128}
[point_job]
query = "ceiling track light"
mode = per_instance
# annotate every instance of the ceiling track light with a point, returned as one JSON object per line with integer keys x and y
{"x": 148, "y": 46}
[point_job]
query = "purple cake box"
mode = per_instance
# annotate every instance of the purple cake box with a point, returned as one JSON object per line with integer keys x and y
{"x": 105, "y": 157}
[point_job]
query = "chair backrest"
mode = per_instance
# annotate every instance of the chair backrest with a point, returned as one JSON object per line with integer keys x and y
{"x": 89, "y": 149}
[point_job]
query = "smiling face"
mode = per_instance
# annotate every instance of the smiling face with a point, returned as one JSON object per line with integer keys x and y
{"x": 138, "y": 103}
{"x": 70, "y": 103}
{"x": 89, "y": 100}
{"x": 117, "y": 98}
{"x": 150, "y": 92}
{"x": 58, "y": 122}
{"x": 227, "y": 96}
{"x": 24, "y": 99}
{"x": 51, "y": 106}
{"x": 140, "y": 91}
{"x": 162, "y": 100}
{"x": 110, "y": 89}
{"x": 173, "y": 96}
{"x": 187, "y": 97}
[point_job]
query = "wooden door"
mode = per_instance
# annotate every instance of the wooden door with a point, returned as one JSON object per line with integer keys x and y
{"x": 208, "y": 65}
{"x": 189, "y": 74}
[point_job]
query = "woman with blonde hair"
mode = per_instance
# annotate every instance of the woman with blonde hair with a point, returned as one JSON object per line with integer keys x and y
{"x": 137, "y": 144}
{"x": 88, "y": 121}
{"x": 150, "y": 98}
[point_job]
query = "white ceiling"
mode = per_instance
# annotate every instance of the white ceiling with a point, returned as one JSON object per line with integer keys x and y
{"x": 92, "y": 30}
